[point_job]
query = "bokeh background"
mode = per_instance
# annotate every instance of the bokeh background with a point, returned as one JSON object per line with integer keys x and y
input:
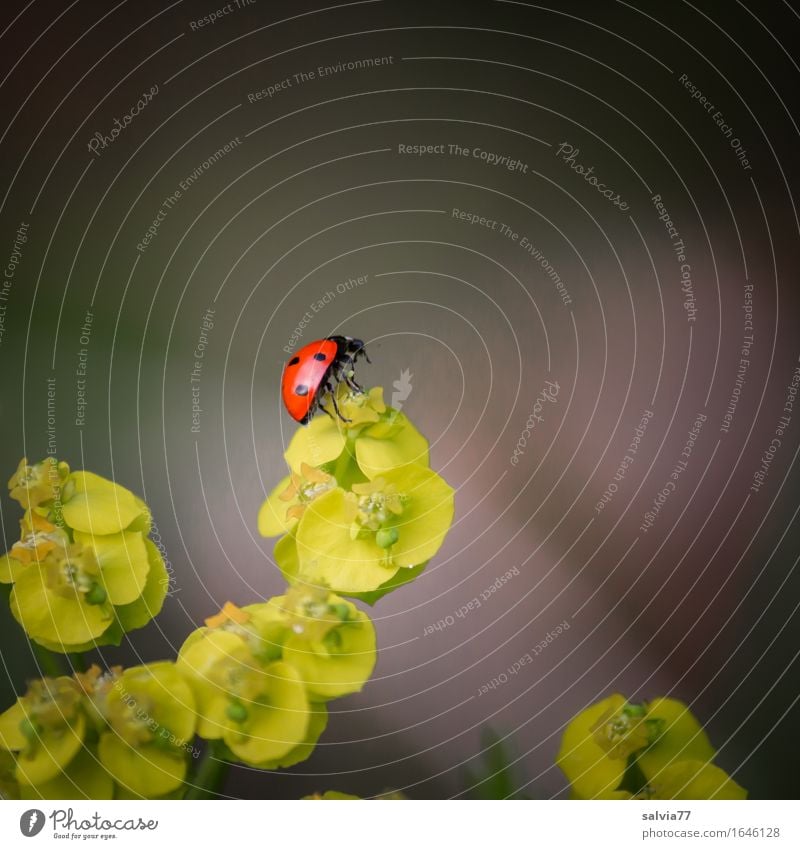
{"x": 317, "y": 188}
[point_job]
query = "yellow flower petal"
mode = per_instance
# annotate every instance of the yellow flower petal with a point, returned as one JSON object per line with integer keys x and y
{"x": 328, "y": 555}
{"x": 682, "y": 738}
{"x": 55, "y": 752}
{"x": 99, "y": 506}
{"x": 319, "y": 442}
{"x": 587, "y": 767}
{"x": 692, "y": 779}
{"x": 380, "y": 447}
{"x": 272, "y": 519}
{"x": 10, "y": 569}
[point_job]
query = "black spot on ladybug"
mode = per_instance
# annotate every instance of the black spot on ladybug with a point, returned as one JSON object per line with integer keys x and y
{"x": 302, "y": 389}
{"x": 320, "y": 356}
{"x": 294, "y": 361}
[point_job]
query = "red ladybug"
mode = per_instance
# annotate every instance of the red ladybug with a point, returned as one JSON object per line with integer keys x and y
{"x": 315, "y": 370}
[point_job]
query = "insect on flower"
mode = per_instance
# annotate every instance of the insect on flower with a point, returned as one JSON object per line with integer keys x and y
{"x": 312, "y": 374}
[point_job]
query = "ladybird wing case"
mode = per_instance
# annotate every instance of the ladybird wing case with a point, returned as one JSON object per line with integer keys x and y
{"x": 304, "y": 375}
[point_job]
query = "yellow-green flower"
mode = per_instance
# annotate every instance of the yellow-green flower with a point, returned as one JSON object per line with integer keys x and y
{"x": 288, "y": 501}
{"x": 586, "y": 763}
{"x": 38, "y": 537}
{"x": 83, "y": 570}
{"x": 376, "y": 440}
{"x": 692, "y": 779}
{"x": 262, "y": 633}
{"x": 97, "y": 506}
{"x": 317, "y": 723}
{"x": 62, "y": 600}
{"x": 85, "y": 592}
{"x": 259, "y": 709}
{"x": 330, "y": 642}
{"x": 45, "y": 730}
{"x": 680, "y": 738}
{"x": 39, "y": 484}
{"x": 617, "y": 750}
{"x": 84, "y": 778}
{"x": 150, "y": 716}
{"x": 356, "y": 541}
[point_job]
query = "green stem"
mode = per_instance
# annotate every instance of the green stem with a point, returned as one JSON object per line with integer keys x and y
{"x": 78, "y": 661}
{"x": 211, "y": 773}
{"x": 634, "y": 780}
{"x": 343, "y": 463}
{"x": 49, "y": 662}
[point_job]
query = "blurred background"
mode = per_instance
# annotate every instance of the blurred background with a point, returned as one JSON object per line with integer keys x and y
{"x": 500, "y": 198}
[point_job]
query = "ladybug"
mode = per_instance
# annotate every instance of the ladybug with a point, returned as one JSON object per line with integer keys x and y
{"x": 314, "y": 371}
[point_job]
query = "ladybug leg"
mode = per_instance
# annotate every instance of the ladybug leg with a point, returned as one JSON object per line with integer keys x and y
{"x": 351, "y": 382}
{"x": 347, "y": 372}
{"x": 330, "y": 391}
{"x": 327, "y": 411}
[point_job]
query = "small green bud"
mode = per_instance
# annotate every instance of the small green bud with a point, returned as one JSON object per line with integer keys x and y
{"x": 96, "y": 594}
{"x": 386, "y": 537}
{"x": 236, "y": 712}
{"x": 333, "y": 640}
{"x": 29, "y": 730}
{"x": 655, "y": 729}
{"x": 342, "y": 611}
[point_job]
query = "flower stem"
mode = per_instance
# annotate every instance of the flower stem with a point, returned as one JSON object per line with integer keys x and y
{"x": 210, "y": 775}
{"x": 49, "y": 662}
{"x": 77, "y": 660}
{"x": 343, "y": 465}
{"x": 634, "y": 780}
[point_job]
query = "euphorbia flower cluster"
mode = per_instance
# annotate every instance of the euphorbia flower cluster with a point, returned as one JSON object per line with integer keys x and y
{"x": 361, "y": 511}
{"x": 262, "y": 674}
{"x": 99, "y": 735}
{"x": 83, "y": 571}
{"x": 655, "y": 750}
